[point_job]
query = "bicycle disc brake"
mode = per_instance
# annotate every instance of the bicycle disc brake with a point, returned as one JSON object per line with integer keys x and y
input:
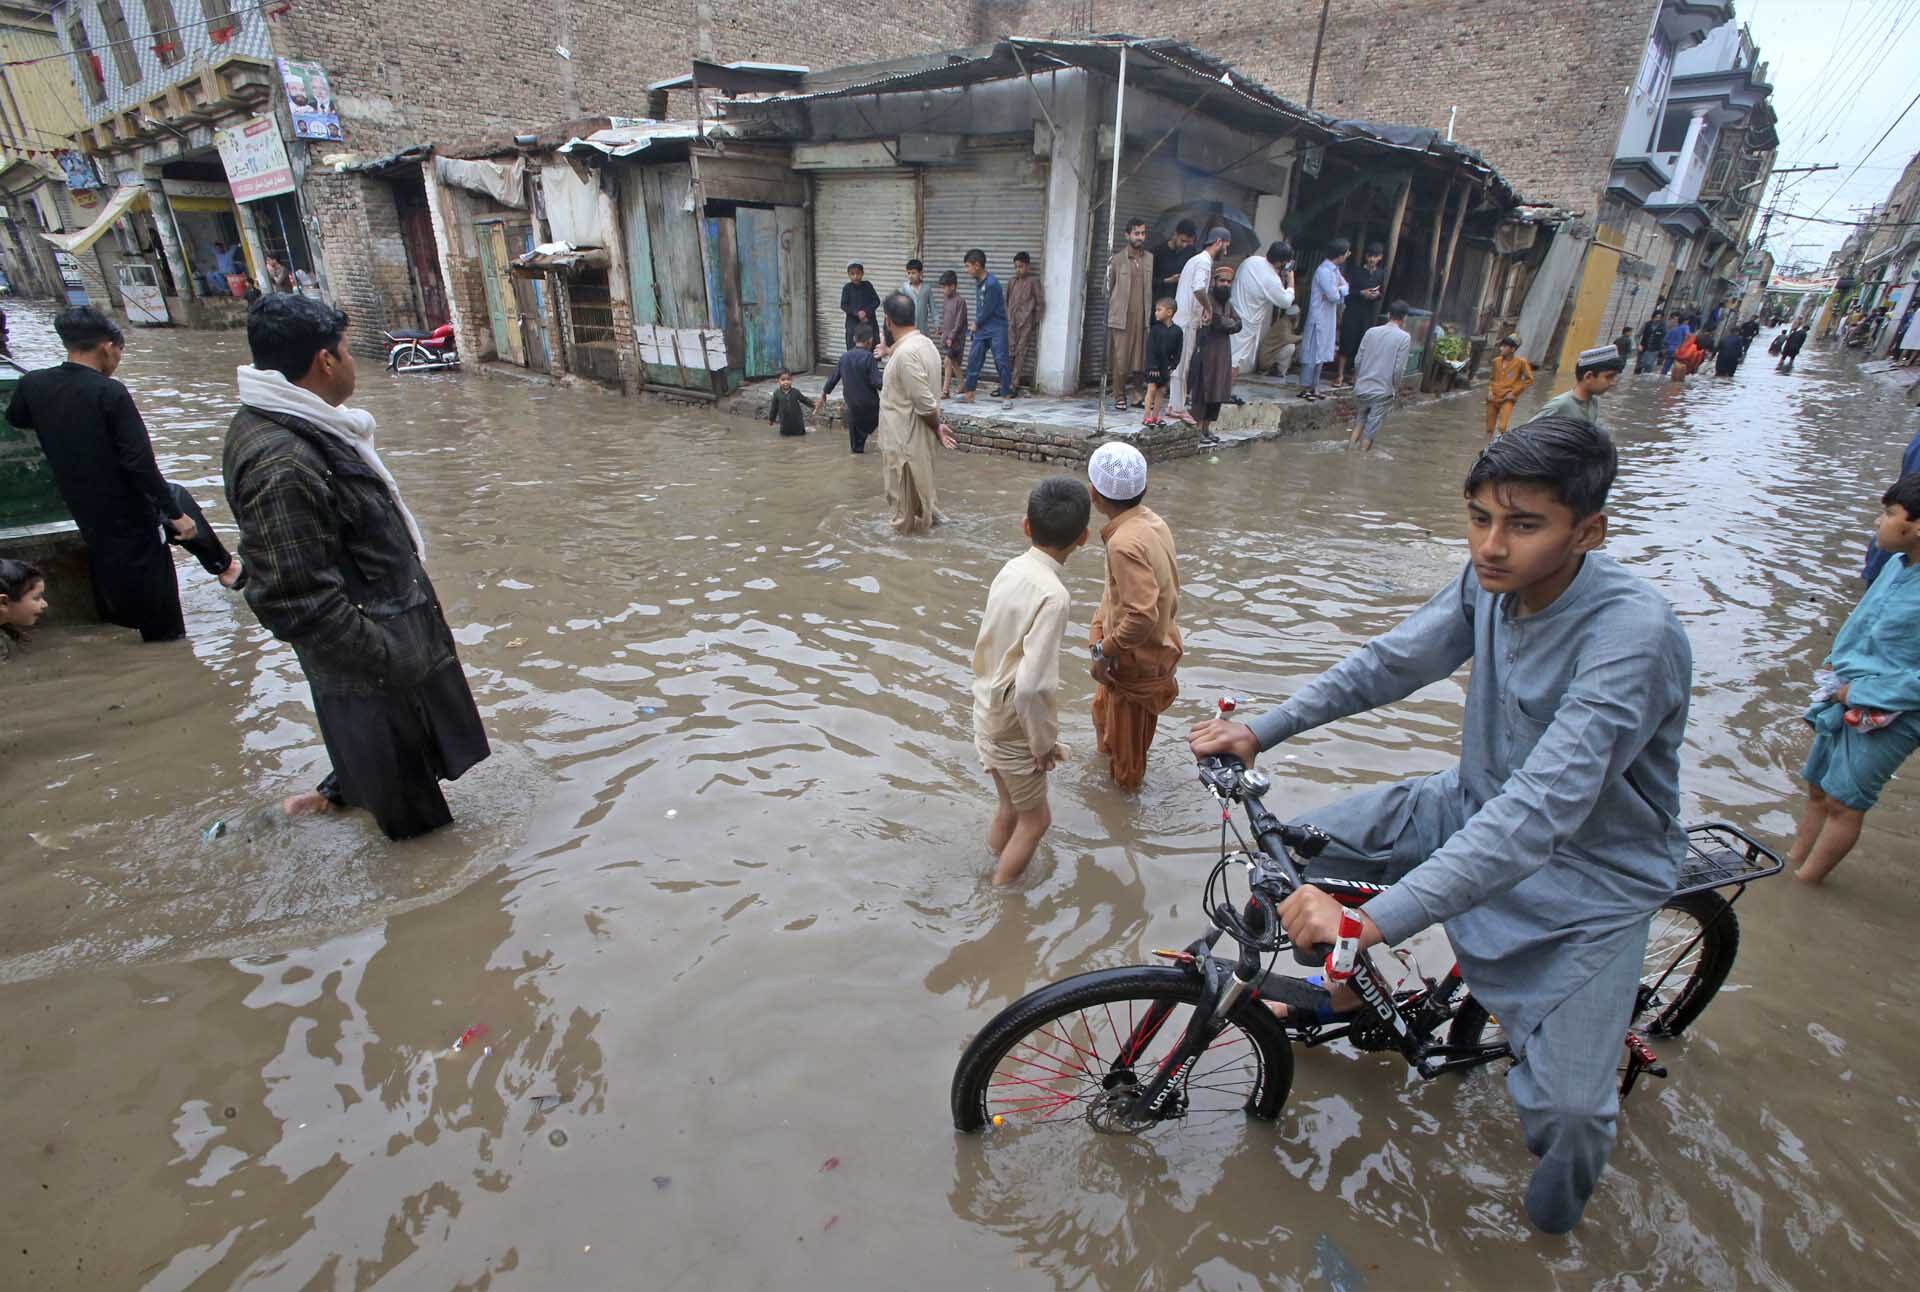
{"x": 1117, "y": 1110}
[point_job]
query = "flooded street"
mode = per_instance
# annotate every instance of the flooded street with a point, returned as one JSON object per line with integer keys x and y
{"x": 719, "y": 898}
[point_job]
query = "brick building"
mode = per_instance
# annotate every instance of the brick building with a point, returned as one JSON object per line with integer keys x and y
{"x": 160, "y": 80}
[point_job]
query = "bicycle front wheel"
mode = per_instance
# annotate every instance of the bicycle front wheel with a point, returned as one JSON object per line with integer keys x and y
{"x": 1058, "y": 1055}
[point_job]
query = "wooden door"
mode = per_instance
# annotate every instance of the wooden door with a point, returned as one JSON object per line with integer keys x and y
{"x": 675, "y": 237}
{"x": 756, "y": 240}
{"x": 649, "y": 303}
{"x": 423, "y": 265}
{"x": 795, "y": 279}
{"x": 501, "y": 313}
{"x": 530, "y": 301}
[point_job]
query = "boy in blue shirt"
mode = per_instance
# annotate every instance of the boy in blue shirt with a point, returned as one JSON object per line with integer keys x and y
{"x": 1547, "y": 850}
{"x": 1866, "y": 721}
{"x": 989, "y": 329}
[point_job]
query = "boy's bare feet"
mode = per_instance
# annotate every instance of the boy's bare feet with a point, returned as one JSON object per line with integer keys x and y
{"x": 231, "y": 575}
{"x": 311, "y": 803}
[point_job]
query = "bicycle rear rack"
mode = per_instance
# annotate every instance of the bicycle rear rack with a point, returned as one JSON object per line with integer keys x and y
{"x": 1720, "y": 855}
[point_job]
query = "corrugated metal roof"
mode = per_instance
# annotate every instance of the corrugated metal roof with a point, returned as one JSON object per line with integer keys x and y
{"x": 625, "y": 141}
{"x": 1170, "y": 68}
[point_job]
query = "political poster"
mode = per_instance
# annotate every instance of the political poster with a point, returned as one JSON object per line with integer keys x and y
{"x": 309, "y": 100}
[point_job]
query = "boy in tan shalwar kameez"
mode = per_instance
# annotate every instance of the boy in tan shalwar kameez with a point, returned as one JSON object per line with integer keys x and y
{"x": 1016, "y": 673}
{"x": 1136, "y": 644}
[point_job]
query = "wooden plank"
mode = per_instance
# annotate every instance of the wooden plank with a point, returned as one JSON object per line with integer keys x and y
{"x": 1453, "y": 245}
{"x": 1439, "y": 226}
{"x": 1393, "y": 235}
{"x": 750, "y": 179}
{"x": 796, "y": 277}
{"x": 757, "y": 242}
{"x": 676, "y": 261}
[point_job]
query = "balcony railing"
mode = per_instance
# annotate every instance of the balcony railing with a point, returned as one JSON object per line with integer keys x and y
{"x": 166, "y": 61}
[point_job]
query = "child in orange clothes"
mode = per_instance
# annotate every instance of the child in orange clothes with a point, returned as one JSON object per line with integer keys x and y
{"x": 1509, "y": 380}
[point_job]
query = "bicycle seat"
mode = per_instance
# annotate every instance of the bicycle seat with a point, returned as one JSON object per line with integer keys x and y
{"x": 407, "y": 334}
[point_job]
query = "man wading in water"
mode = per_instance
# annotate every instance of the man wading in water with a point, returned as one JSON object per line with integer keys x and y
{"x": 334, "y": 563}
{"x": 1546, "y": 852}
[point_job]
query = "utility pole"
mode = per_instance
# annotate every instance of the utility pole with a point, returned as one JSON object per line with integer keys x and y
{"x": 1313, "y": 77}
{"x": 1766, "y": 215}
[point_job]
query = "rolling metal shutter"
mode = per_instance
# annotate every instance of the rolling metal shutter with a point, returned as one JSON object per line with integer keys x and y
{"x": 996, "y": 200}
{"x": 867, "y": 216}
{"x": 1159, "y": 186}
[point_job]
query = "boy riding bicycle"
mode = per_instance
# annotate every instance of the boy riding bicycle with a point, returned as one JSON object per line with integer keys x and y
{"x": 1547, "y": 850}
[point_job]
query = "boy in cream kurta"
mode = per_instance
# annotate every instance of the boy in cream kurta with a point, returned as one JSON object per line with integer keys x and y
{"x": 1016, "y": 673}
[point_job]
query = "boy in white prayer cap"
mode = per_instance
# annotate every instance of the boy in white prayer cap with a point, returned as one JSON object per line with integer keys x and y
{"x": 1016, "y": 673}
{"x": 1136, "y": 644}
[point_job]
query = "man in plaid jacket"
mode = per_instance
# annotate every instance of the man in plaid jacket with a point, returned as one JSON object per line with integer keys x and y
{"x": 335, "y": 569}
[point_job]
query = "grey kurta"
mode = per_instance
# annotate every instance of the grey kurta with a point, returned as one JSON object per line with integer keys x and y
{"x": 1541, "y": 858}
{"x": 1318, "y": 340}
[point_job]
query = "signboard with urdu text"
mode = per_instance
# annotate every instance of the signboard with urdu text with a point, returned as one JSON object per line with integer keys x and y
{"x": 309, "y": 100}
{"x": 255, "y": 159}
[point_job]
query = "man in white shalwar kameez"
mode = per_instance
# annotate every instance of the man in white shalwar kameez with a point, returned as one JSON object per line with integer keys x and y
{"x": 1262, "y": 285}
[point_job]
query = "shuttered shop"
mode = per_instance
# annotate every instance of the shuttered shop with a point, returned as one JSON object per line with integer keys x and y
{"x": 867, "y": 216}
{"x": 996, "y": 200}
{"x": 1161, "y": 185}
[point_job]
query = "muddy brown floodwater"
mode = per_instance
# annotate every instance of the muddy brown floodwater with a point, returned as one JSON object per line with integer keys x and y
{"x": 719, "y": 899}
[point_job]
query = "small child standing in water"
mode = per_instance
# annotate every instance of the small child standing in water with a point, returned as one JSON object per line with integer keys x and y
{"x": 1866, "y": 718}
{"x": 23, "y": 599}
{"x": 1016, "y": 673}
{"x": 789, "y": 407}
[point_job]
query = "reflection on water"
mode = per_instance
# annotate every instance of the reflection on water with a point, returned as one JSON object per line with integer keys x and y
{"x": 715, "y": 920}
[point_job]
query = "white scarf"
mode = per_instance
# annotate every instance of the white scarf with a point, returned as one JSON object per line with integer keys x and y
{"x": 271, "y": 392}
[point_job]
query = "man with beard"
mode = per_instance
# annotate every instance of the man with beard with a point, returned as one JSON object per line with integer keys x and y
{"x": 1130, "y": 296}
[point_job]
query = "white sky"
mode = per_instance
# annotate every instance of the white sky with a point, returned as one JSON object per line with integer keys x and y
{"x": 1842, "y": 71}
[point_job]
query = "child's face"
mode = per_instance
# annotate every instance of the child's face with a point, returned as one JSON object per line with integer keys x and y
{"x": 1896, "y": 532}
{"x": 913, "y": 276}
{"x": 1020, "y": 268}
{"x": 1163, "y": 313}
{"x": 855, "y": 275}
{"x": 786, "y": 381}
{"x": 1507, "y": 351}
{"x": 1521, "y": 535}
{"x": 26, "y": 612}
{"x": 948, "y": 289}
{"x": 1599, "y": 383}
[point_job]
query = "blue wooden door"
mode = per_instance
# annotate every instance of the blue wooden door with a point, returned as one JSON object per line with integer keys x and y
{"x": 757, "y": 242}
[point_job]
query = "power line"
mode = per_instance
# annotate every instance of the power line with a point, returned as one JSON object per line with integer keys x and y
{"x": 272, "y": 8}
{"x": 1863, "y": 157}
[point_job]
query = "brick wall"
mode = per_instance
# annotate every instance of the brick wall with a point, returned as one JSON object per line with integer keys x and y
{"x": 485, "y": 68}
{"x": 1540, "y": 84}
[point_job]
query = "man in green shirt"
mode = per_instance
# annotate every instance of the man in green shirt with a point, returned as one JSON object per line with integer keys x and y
{"x": 1594, "y": 373}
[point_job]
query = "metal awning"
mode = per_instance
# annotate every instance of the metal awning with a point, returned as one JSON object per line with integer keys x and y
{"x": 560, "y": 258}
{"x": 126, "y": 199}
{"x": 625, "y": 141}
{"x": 1171, "y": 69}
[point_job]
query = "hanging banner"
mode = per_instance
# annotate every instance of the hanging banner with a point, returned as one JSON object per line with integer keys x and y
{"x": 79, "y": 170}
{"x": 309, "y": 100}
{"x": 255, "y": 159}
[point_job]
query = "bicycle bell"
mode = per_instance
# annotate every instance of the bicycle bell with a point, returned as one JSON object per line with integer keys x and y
{"x": 1255, "y": 782}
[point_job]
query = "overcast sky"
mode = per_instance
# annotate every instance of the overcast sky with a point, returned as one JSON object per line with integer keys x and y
{"x": 1842, "y": 71}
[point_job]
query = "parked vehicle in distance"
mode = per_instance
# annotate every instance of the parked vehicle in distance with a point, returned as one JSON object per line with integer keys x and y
{"x": 413, "y": 351}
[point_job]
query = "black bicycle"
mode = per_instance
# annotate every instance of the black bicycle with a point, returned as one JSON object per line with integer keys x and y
{"x": 1127, "y": 1050}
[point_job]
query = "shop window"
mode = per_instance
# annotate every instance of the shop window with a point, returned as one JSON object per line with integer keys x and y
{"x": 92, "y": 75}
{"x": 164, "y": 30}
{"x": 113, "y": 20}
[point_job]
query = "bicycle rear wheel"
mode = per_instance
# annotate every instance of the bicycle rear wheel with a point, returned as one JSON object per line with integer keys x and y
{"x": 1690, "y": 950}
{"x": 1051, "y": 1056}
